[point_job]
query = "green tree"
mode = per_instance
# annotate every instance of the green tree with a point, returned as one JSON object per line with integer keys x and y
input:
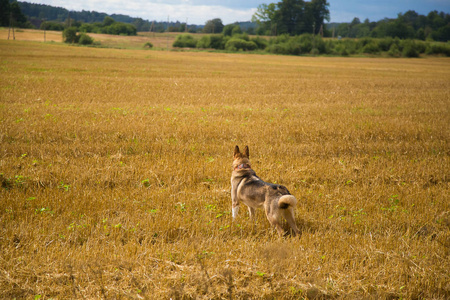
{"x": 316, "y": 13}
{"x": 108, "y": 21}
{"x": 213, "y": 26}
{"x": 85, "y": 39}
{"x": 291, "y": 17}
{"x": 70, "y": 35}
{"x": 14, "y": 13}
{"x": 231, "y": 29}
{"x": 4, "y": 13}
{"x": 266, "y": 18}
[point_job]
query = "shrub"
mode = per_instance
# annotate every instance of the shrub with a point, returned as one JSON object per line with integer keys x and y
{"x": 204, "y": 42}
{"x": 350, "y": 46}
{"x": 305, "y": 43}
{"x": 319, "y": 44}
{"x": 315, "y": 51}
{"x": 439, "y": 48}
{"x": 420, "y": 46}
{"x": 185, "y": 41}
{"x": 86, "y": 27}
{"x": 148, "y": 45}
{"x": 284, "y": 38}
{"x": 385, "y": 44}
{"x": 281, "y": 48}
{"x": 70, "y": 35}
{"x": 260, "y": 42}
{"x": 371, "y": 48}
{"x": 241, "y": 36}
{"x": 217, "y": 41}
{"x": 409, "y": 50}
{"x": 394, "y": 51}
{"x": 236, "y": 30}
{"x": 85, "y": 39}
{"x": 235, "y": 44}
{"x": 48, "y": 25}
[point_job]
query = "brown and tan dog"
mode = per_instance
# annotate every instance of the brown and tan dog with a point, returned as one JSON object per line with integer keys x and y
{"x": 249, "y": 189}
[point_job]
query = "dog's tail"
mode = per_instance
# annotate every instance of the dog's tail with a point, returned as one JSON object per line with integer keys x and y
{"x": 286, "y": 201}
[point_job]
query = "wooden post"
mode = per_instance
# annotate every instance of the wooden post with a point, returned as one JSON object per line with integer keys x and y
{"x": 45, "y": 26}
{"x": 11, "y": 25}
{"x": 168, "y": 18}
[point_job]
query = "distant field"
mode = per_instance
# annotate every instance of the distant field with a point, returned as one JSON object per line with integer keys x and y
{"x": 159, "y": 40}
{"x": 115, "y": 169}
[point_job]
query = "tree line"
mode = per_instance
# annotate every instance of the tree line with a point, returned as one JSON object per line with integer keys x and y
{"x": 232, "y": 39}
{"x": 12, "y": 15}
{"x": 293, "y": 17}
{"x": 410, "y": 25}
{"x": 57, "y": 18}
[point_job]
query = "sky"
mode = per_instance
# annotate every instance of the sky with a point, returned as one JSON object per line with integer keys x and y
{"x": 230, "y": 11}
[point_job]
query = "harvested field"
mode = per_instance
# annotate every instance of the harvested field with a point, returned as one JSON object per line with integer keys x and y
{"x": 115, "y": 174}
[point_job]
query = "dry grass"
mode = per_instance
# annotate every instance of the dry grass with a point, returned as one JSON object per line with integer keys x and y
{"x": 159, "y": 40}
{"x": 115, "y": 168}
{"x": 30, "y": 35}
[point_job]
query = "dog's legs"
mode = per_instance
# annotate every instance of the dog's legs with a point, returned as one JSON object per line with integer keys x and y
{"x": 252, "y": 215}
{"x": 273, "y": 219}
{"x": 277, "y": 225}
{"x": 288, "y": 214}
{"x": 251, "y": 212}
{"x": 234, "y": 210}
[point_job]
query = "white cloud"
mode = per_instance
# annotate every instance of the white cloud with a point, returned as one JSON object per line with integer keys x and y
{"x": 199, "y": 11}
{"x": 176, "y": 10}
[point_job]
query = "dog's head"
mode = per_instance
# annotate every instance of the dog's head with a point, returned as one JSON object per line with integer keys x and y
{"x": 241, "y": 160}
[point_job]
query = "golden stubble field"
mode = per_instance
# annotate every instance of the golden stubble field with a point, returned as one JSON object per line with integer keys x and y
{"x": 159, "y": 40}
{"x": 115, "y": 169}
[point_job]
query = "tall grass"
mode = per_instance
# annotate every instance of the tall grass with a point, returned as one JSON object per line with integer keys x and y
{"x": 115, "y": 168}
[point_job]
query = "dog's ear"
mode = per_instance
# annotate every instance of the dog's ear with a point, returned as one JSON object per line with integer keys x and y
{"x": 246, "y": 153}
{"x": 236, "y": 151}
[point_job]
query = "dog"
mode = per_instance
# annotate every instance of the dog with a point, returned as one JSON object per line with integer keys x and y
{"x": 249, "y": 189}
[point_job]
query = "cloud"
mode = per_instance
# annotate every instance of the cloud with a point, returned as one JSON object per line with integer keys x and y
{"x": 199, "y": 11}
{"x": 196, "y": 11}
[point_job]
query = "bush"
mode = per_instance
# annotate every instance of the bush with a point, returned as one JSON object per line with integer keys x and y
{"x": 148, "y": 45}
{"x": 371, "y": 48}
{"x": 394, "y": 51}
{"x": 235, "y": 44}
{"x": 231, "y": 29}
{"x": 86, "y": 27}
{"x": 217, "y": 41}
{"x": 236, "y": 30}
{"x": 70, "y": 35}
{"x": 281, "y": 48}
{"x": 204, "y": 42}
{"x": 284, "y": 38}
{"x": 85, "y": 39}
{"x": 241, "y": 36}
{"x": 260, "y": 42}
{"x": 439, "y": 48}
{"x": 185, "y": 41}
{"x": 305, "y": 42}
{"x": 48, "y": 25}
{"x": 385, "y": 44}
{"x": 315, "y": 51}
{"x": 409, "y": 50}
